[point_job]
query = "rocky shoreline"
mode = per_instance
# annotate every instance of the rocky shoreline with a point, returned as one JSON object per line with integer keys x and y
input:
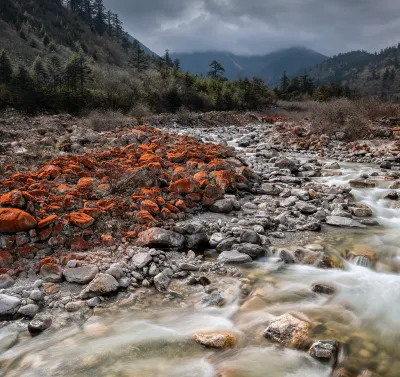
{"x": 81, "y": 239}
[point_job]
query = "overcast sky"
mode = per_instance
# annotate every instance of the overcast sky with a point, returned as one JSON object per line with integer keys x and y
{"x": 260, "y": 26}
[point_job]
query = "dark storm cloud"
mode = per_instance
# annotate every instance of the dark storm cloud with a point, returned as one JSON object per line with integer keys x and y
{"x": 260, "y": 26}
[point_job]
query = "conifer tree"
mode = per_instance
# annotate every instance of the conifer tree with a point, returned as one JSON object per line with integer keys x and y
{"x": 39, "y": 72}
{"x": 139, "y": 58}
{"x": 6, "y": 69}
{"x": 54, "y": 70}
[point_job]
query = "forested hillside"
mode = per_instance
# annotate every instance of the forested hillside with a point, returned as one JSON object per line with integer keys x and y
{"x": 74, "y": 55}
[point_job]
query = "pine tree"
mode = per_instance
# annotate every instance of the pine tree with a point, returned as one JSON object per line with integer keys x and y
{"x": 54, "y": 70}
{"x": 23, "y": 90}
{"x": 39, "y": 72}
{"x": 217, "y": 70}
{"x": 117, "y": 26}
{"x": 284, "y": 82}
{"x": 52, "y": 47}
{"x": 109, "y": 21}
{"x": 139, "y": 58}
{"x": 167, "y": 59}
{"x": 99, "y": 17}
{"x": 46, "y": 40}
{"x": 6, "y": 70}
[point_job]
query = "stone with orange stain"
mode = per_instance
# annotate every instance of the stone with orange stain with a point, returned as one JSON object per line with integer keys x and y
{"x": 149, "y": 157}
{"x": 93, "y": 212}
{"x": 47, "y": 221}
{"x": 177, "y": 156}
{"x": 45, "y": 234}
{"x": 87, "y": 184}
{"x": 166, "y": 214}
{"x": 26, "y": 251}
{"x": 79, "y": 244}
{"x": 181, "y": 204}
{"x": 183, "y": 186}
{"x": 214, "y": 192}
{"x": 171, "y": 208}
{"x": 144, "y": 217}
{"x": 6, "y": 259}
{"x": 14, "y": 198}
{"x": 225, "y": 179}
{"x": 196, "y": 197}
{"x": 108, "y": 240}
{"x": 49, "y": 171}
{"x": 150, "y": 206}
{"x": 14, "y": 220}
{"x": 81, "y": 220}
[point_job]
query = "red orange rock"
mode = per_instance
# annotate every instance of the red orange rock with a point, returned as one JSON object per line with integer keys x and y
{"x": 14, "y": 220}
{"x": 14, "y": 198}
{"x": 183, "y": 186}
{"x": 81, "y": 220}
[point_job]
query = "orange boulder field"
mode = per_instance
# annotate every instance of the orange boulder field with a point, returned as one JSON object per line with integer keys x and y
{"x": 159, "y": 178}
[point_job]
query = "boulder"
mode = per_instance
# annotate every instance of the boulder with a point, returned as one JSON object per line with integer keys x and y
{"x": 215, "y": 239}
{"x": 102, "y": 284}
{"x": 361, "y": 212}
{"x": 141, "y": 260}
{"x": 250, "y": 236}
{"x": 116, "y": 270}
{"x": 325, "y": 350}
{"x": 306, "y": 208}
{"x": 343, "y": 221}
{"x": 226, "y": 244}
{"x": 38, "y": 325}
{"x": 332, "y": 166}
{"x": 216, "y": 339}
{"x": 254, "y": 251}
{"x": 323, "y": 288}
{"x": 158, "y": 237}
{"x": 271, "y": 189}
{"x": 8, "y": 305}
{"x": 196, "y": 240}
{"x": 162, "y": 281}
{"x": 29, "y": 310}
{"x": 81, "y": 275}
{"x": 6, "y": 281}
{"x": 288, "y": 331}
{"x": 13, "y": 220}
{"x": 359, "y": 183}
{"x": 285, "y": 163}
{"x": 233, "y": 256}
{"x": 51, "y": 273}
{"x": 222, "y": 206}
{"x": 81, "y": 220}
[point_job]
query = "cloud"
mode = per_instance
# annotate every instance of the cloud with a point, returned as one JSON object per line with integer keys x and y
{"x": 260, "y": 26}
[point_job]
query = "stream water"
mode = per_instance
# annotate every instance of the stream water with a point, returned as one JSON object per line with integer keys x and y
{"x": 154, "y": 338}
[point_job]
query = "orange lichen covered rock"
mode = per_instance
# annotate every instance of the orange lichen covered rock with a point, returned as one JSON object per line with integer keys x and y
{"x": 144, "y": 217}
{"x": 81, "y": 220}
{"x": 14, "y": 198}
{"x": 14, "y": 220}
{"x": 47, "y": 221}
{"x": 6, "y": 259}
{"x": 183, "y": 186}
{"x": 108, "y": 240}
{"x": 150, "y": 206}
{"x": 86, "y": 184}
{"x": 225, "y": 179}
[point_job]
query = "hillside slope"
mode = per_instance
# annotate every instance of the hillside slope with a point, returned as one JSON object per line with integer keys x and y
{"x": 269, "y": 67}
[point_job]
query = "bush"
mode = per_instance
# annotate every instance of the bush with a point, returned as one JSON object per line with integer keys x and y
{"x": 101, "y": 121}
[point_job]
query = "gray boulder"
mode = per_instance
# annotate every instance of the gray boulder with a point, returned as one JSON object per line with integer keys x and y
{"x": 162, "y": 281}
{"x": 343, "y": 221}
{"x": 233, "y": 256}
{"x": 250, "y": 236}
{"x": 101, "y": 285}
{"x": 222, "y": 206}
{"x": 81, "y": 275}
{"x": 254, "y": 251}
{"x": 8, "y": 305}
{"x": 29, "y": 310}
{"x": 163, "y": 238}
{"x": 196, "y": 240}
{"x": 141, "y": 260}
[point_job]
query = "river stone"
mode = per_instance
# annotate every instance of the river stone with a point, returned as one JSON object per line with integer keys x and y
{"x": 301, "y": 194}
{"x": 392, "y": 195}
{"x": 343, "y": 221}
{"x": 332, "y": 166}
{"x": 252, "y": 250}
{"x": 162, "y": 281}
{"x": 188, "y": 267}
{"x": 8, "y": 339}
{"x": 285, "y": 163}
{"x": 141, "y": 260}
{"x": 81, "y": 275}
{"x": 222, "y": 206}
{"x": 29, "y": 310}
{"x": 362, "y": 212}
{"x": 289, "y": 202}
{"x": 51, "y": 273}
{"x": 341, "y": 213}
{"x": 250, "y": 236}
{"x": 8, "y": 305}
{"x": 323, "y": 288}
{"x": 226, "y": 244}
{"x": 38, "y": 325}
{"x": 75, "y": 306}
{"x": 216, "y": 238}
{"x": 233, "y": 256}
{"x": 163, "y": 238}
{"x": 196, "y": 240}
{"x": 93, "y": 302}
{"x": 116, "y": 270}
{"x": 324, "y": 350}
{"x": 216, "y": 339}
{"x": 271, "y": 189}
{"x": 288, "y": 331}
{"x": 215, "y": 298}
{"x": 36, "y": 295}
{"x": 358, "y": 183}
{"x": 101, "y": 285}
{"x": 6, "y": 281}
{"x": 306, "y": 208}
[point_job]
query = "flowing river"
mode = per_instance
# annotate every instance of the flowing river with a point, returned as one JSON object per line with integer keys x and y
{"x": 154, "y": 337}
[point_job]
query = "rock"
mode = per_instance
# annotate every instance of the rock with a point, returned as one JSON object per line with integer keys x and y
{"x": 285, "y": 163}
{"x": 124, "y": 282}
{"x": 215, "y": 298}
{"x": 93, "y": 302}
{"x": 286, "y": 256}
{"x": 158, "y": 237}
{"x": 271, "y": 189}
{"x": 289, "y": 202}
{"x": 75, "y": 306}
{"x": 188, "y": 267}
{"x": 232, "y": 256}
{"x": 369, "y": 222}
{"x": 226, "y": 244}
{"x": 393, "y": 195}
{"x": 386, "y": 165}
{"x": 141, "y": 260}
{"x": 196, "y": 240}
{"x": 324, "y": 350}
{"x": 362, "y": 251}
{"x": 323, "y": 288}
{"x": 332, "y": 166}
{"x": 51, "y": 273}
{"x": 341, "y": 213}
{"x": 37, "y": 325}
{"x": 250, "y": 236}
{"x": 29, "y": 310}
{"x": 288, "y": 331}
{"x": 8, "y": 340}
{"x": 357, "y": 183}
{"x": 216, "y": 238}
{"x": 162, "y": 281}
{"x": 36, "y": 295}
{"x": 101, "y": 285}
{"x": 306, "y": 208}
{"x": 81, "y": 275}
{"x": 8, "y": 305}
{"x": 14, "y": 220}
{"x": 81, "y": 220}
{"x": 301, "y": 194}
{"x": 361, "y": 212}
{"x": 222, "y": 206}
{"x": 216, "y": 339}
{"x": 312, "y": 227}
{"x": 116, "y": 270}
{"x": 343, "y": 221}
{"x": 254, "y": 251}
{"x": 6, "y": 281}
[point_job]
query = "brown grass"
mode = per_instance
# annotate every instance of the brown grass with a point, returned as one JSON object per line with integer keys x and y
{"x": 101, "y": 121}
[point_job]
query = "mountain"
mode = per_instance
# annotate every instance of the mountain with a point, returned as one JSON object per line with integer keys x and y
{"x": 269, "y": 67}
{"x": 371, "y": 74}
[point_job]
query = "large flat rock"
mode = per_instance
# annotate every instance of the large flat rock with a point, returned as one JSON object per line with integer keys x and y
{"x": 344, "y": 222}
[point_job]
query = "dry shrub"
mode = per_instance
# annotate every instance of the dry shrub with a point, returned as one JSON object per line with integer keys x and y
{"x": 101, "y": 121}
{"x": 140, "y": 111}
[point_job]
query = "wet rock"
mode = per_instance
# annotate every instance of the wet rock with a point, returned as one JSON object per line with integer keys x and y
{"x": 325, "y": 350}
{"x": 341, "y": 213}
{"x": 254, "y": 251}
{"x": 81, "y": 275}
{"x": 215, "y": 298}
{"x": 306, "y": 208}
{"x": 103, "y": 284}
{"x": 216, "y": 339}
{"x": 6, "y": 281}
{"x": 386, "y": 165}
{"x": 226, "y": 244}
{"x": 288, "y": 331}
{"x": 233, "y": 256}
{"x": 250, "y": 236}
{"x": 162, "y": 281}
{"x": 323, "y": 288}
{"x": 370, "y": 222}
{"x": 196, "y": 241}
{"x": 38, "y": 325}
{"x": 216, "y": 238}
{"x": 141, "y": 260}
{"x": 361, "y": 212}
{"x": 75, "y": 306}
{"x": 222, "y": 206}
{"x": 93, "y": 302}
{"x": 8, "y": 305}
{"x": 362, "y": 251}
{"x": 286, "y": 256}
{"x": 289, "y": 202}
{"x": 312, "y": 227}
{"x": 8, "y": 340}
{"x": 285, "y": 163}
{"x": 343, "y": 222}
{"x": 116, "y": 270}
{"x": 188, "y": 267}
{"x": 29, "y": 310}
{"x": 158, "y": 237}
{"x": 393, "y": 195}
{"x": 358, "y": 183}
{"x": 332, "y": 165}
{"x": 51, "y": 273}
